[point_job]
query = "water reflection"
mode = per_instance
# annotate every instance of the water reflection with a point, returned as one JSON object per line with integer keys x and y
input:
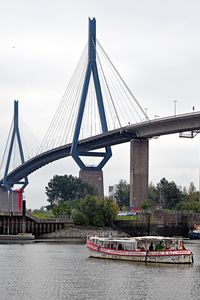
{"x": 64, "y": 271}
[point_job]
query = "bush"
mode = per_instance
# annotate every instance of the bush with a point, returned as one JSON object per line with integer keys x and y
{"x": 95, "y": 212}
{"x": 79, "y": 218}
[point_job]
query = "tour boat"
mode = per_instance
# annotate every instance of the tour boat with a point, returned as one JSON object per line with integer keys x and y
{"x": 155, "y": 249}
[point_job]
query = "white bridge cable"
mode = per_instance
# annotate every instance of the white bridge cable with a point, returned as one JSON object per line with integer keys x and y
{"x": 94, "y": 117}
{"x": 91, "y": 112}
{"x": 67, "y": 120}
{"x": 118, "y": 99}
{"x": 90, "y": 124}
{"x": 86, "y": 116}
{"x": 71, "y": 109}
{"x": 6, "y": 149}
{"x": 119, "y": 88}
{"x": 27, "y": 146}
{"x": 70, "y": 112}
{"x": 30, "y": 142}
{"x": 107, "y": 104}
{"x": 122, "y": 81}
{"x": 126, "y": 113}
{"x": 107, "y": 90}
{"x": 91, "y": 120}
{"x": 109, "y": 94}
{"x": 70, "y": 125}
{"x": 121, "y": 107}
{"x": 120, "y": 84}
{"x": 106, "y": 93}
{"x": 64, "y": 111}
{"x": 15, "y": 160}
{"x": 118, "y": 92}
{"x": 66, "y": 108}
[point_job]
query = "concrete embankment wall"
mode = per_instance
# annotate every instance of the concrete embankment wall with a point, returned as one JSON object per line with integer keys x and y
{"x": 167, "y": 223}
{"x": 14, "y": 225}
{"x": 137, "y": 229}
{"x": 63, "y": 229}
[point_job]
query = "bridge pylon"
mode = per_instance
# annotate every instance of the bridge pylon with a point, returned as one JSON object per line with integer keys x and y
{"x": 89, "y": 173}
{"x": 15, "y": 135}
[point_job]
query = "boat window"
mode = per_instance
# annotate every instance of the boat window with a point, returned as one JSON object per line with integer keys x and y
{"x": 99, "y": 243}
{"x": 174, "y": 244}
{"x": 129, "y": 246}
{"x": 107, "y": 245}
{"x": 141, "y": 245}
{"x": 170, "y": 244}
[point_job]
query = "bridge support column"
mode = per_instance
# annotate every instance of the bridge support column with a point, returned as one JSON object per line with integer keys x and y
{"x": 139, "y": 172}
{"x": 24, "y": 216}
{"x": 94, "y": 178}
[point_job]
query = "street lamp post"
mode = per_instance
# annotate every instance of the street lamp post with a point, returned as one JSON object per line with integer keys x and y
{"x": 145, "y": 109}
{"x": 175, "y": 101}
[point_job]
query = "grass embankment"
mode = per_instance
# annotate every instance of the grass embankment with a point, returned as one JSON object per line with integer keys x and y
{"x": 126, "y": 218}
{"x": 43, "y": 215}
{"x": 48, "y": 215}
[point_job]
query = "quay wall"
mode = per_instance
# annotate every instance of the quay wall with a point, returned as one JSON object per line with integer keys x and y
{"x": 15, "y": 225}
{"x": 167, "y": 223}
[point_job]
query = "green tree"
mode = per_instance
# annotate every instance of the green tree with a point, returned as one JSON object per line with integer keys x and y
{"x": 193, "y": 195}
{"x": 153, "y": 194}
{"x": 192, "y": 188}
{"x": 63, "y": 208}
{"x": 189, "y": 205}
{"x": 147, "y": 204}
{"x": 184, "y": 194}
{"x": 122, "y": 194}
{"x": 95, "y": 212}
{"x": 109, "y": 211}
{"x": 170, "y": 194}
{"x": 89, "y": 207}
{"x": 79, "y": 218}
{"x": 62, "y": 188}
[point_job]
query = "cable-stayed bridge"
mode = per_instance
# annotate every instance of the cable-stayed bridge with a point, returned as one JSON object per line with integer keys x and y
{"x": 98, "y": 110}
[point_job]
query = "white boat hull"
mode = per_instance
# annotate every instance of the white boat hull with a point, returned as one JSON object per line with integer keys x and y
{"x": 166, "y": 256}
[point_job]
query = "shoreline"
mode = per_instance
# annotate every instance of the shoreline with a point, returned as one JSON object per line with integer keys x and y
{"x": 80, "y": 233}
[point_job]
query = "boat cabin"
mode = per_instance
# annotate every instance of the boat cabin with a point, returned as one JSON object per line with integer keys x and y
{"x": 145, "y": 243}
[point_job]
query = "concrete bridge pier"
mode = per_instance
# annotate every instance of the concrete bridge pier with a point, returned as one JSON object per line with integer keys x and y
{"x": 94, "y": 178}
{"x": 23, "y": 216}
{"x": 139, "y": 171}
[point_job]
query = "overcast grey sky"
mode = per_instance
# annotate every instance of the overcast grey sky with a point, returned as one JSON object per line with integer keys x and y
{"x": 154, "y": 44}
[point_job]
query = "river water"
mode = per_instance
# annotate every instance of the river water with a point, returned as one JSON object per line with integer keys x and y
{"x": 64, "y": 271}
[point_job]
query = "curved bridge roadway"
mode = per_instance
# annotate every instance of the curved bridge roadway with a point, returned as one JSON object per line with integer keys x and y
{"x": 144, "y": 130}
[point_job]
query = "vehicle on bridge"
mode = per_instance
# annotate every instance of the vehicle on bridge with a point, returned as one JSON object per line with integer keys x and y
{"x": 154, "y": 249}
{"x": 126, "y": 213}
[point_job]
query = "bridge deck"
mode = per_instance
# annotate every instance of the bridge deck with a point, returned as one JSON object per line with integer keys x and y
{"x": 144, "y": 130}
